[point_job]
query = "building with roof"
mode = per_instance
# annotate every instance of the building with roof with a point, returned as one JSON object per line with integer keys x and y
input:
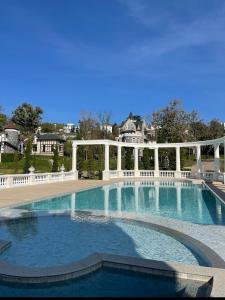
{"x": 45, "y": 143}
{"x": 10, "y": 139}
{"x": 135, "y": 130}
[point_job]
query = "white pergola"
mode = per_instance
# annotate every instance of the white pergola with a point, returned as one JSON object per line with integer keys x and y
{"x": 119, "y": 173}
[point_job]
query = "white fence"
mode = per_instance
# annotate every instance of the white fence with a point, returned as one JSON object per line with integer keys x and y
{"x": 7, "y": 181}
{"x": 166, "y": 174}
{"x": 149, "y": 174}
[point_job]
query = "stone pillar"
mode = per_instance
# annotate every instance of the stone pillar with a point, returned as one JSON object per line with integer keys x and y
{"x": 156, "y": 152}
{"x": 217, "y": 158}
{"x": 74, "y": 161}
{"x": 136, "y": 161}
{"x": 178, "y": 159}
{"x": 106, "y": 171}
{"x": 199, "y": 161}
{"x": 119, "y": 158}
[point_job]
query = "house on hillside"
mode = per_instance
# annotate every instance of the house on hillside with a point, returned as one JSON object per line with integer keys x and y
{"x": 10, "y": 140}
{"x": 135, "y": 130}
{"x": 44, "y": 144}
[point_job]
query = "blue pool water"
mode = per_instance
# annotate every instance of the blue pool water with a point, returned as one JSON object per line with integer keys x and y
{"x": 109, "y": 283}
{"x": 183, "y": 201}
{"x": 59, "y": 239}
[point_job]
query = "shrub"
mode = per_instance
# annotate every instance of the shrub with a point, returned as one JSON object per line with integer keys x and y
{"x": 8, "y": 157}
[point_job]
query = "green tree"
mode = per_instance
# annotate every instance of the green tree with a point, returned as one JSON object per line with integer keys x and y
{"x": 28, "y": 158}
{"x": 55, "y": 165}
{"x": 3, "y": 119}
{"x": 68, "y": 148}
{"x": 216, "y": 129}
{"x": 27, "y": 117}
{"x": 51, "y": 127}
{"x": 171, "y": 123}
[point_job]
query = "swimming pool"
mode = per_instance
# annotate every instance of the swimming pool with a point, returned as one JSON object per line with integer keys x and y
{"x": 55, "y": 240}
{"x": 112, "y": 283}
{"x": 178, "y": 200}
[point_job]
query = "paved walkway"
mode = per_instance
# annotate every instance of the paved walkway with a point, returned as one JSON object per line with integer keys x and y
{"x": 21, "y": 194}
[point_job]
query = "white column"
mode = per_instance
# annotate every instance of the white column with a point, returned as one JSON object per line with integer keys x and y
{"x": 217, "y": 158}
{"x": 199, "y": 161}
{"x": 156, "y": 152}
{"x": 106, "y": 171}
{"x": 136, "y": 161}
{"x": 178, "y": 159}
{"x": 119, "y": 158}
{"x": 74, "y": 161}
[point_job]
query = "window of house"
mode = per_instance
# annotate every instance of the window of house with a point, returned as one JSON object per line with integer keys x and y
{"x": 34, "y": 148}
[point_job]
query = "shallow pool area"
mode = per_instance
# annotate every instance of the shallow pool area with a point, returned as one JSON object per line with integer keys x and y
{"x": 53, "y": 240}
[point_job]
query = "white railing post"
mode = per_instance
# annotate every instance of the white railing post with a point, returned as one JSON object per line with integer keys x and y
{"x": 106, "y": 171}
{"x": 136, "y": 173}
{"x": 177, "y": 174}
{"x": 199, "y": 161}
{"x": 156, "y": 152}
{"x": 118, "y": 158}
{"x": 74, "y": 161}
{"x": 216, "y": 159}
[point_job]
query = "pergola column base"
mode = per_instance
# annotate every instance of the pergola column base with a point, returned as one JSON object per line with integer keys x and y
{"x": 156, "y": 173}
{"x": 105, "y": 175}
{"x": 177, "y": 174}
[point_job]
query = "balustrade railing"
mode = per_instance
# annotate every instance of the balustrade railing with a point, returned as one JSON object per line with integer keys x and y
{"x": 7, "y": 181}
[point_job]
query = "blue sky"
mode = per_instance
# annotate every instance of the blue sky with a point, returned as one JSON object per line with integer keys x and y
{"x": 112, "y": 55}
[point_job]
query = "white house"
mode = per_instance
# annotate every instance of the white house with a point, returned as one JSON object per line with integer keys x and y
{"x": 44, "y": 144}
{"x": 135, "y": 130}
{"x": 106, "y": 127}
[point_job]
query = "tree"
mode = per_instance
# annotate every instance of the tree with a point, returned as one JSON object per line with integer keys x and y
{"x": 55, "y": 166}
{"x": 28, "y": 159}
{"x": 171, "y": 123}
{"x": 27, "y": 117}
{"x": 216, "y": 129}
{"x": 68, "y": 148}
{"x": 51, "y": 127}
{"x": 3, "y": 119}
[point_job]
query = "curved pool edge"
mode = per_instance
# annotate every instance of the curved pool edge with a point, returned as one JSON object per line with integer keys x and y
{"x": 211, "y": 276}
{"x": 92, "y": 262}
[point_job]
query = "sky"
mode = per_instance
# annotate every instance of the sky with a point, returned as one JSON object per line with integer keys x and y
{"x": 115, "y": 56}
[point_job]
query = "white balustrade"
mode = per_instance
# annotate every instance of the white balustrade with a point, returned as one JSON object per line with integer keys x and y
{"x": 7, "y": 181}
